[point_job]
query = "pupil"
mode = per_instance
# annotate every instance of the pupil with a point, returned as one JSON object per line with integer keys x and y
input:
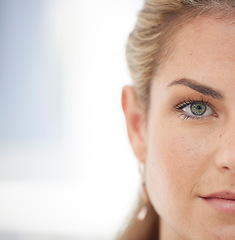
{"x": 198, "y": 108}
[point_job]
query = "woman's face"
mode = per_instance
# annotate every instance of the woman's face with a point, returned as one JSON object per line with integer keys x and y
{"x": 190, "y": 134}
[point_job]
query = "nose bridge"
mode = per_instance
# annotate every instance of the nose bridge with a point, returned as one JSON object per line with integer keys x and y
{"x": 229, "y": 136}
{"x": 226, "y": 158}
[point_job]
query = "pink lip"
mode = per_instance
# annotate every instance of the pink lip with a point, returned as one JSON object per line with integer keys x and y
{"x": 221, "y": 201}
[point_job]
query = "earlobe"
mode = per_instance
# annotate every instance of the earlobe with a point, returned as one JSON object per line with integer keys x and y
{"x": 135, "y": 121}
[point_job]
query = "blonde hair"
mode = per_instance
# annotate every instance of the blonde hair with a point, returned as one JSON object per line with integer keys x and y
{"x": 149, "y": 45}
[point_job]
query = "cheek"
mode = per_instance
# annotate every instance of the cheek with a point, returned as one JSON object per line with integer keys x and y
{"x": 176, "y": 161}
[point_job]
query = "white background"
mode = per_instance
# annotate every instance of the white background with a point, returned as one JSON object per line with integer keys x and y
{"x": 66, "y": 167}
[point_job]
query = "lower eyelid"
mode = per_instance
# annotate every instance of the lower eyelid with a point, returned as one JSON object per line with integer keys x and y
{"x": 185, "y": 116}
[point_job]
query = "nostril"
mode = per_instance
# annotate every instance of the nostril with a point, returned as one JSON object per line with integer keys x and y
{"x": 225, "y": 159}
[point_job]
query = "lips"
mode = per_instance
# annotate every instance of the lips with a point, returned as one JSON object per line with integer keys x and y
{"x": 221, "y": 195}
{"x": 221, "y": 201}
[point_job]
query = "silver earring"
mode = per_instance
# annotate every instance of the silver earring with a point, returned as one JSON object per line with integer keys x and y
{"x": 144, "y": 209}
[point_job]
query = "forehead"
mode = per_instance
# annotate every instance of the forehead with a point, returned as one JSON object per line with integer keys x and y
{"x": 206, "y": 33}
{"x": 202, "y": 47}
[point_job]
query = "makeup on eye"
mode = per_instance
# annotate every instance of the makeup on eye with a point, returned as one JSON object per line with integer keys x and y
{"x": 195, "y": 109}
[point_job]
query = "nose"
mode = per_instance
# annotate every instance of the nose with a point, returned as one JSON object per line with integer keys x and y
{"x": 225, "y": 158}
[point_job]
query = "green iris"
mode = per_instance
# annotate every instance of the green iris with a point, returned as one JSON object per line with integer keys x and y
{"x": 198, "y": 108}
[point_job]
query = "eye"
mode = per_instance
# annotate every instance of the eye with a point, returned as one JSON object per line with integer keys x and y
{"x": 197, "y": 109}
{"x": 193, "y": 109}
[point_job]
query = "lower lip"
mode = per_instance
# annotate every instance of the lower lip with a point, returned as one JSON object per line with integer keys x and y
{"x": 221, "y": 205}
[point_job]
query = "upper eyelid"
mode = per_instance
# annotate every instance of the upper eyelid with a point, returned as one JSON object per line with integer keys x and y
{"x": 183, "y": 104}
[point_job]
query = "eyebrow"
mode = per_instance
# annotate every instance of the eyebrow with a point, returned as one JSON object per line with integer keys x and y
{"x": 203, "y": 89}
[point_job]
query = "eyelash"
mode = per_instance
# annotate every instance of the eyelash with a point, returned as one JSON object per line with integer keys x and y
{"x": 182, "y": 104}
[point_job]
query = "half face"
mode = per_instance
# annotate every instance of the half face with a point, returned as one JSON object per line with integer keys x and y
{"x": 190, "y": 155}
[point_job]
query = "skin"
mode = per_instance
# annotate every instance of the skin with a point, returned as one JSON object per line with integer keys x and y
{"x": 188, "y": 158}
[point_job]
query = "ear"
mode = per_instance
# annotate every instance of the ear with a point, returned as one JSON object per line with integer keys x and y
{"x": 135, "y": 121}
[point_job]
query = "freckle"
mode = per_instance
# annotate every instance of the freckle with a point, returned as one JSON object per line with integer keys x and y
{"x": 220, "y": 135}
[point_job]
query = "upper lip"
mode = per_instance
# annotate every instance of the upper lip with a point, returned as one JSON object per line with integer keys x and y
{"x": 221, "y": 195}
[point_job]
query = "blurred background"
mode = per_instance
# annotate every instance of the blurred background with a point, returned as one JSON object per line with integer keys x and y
{"x": 66, "y": 167}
